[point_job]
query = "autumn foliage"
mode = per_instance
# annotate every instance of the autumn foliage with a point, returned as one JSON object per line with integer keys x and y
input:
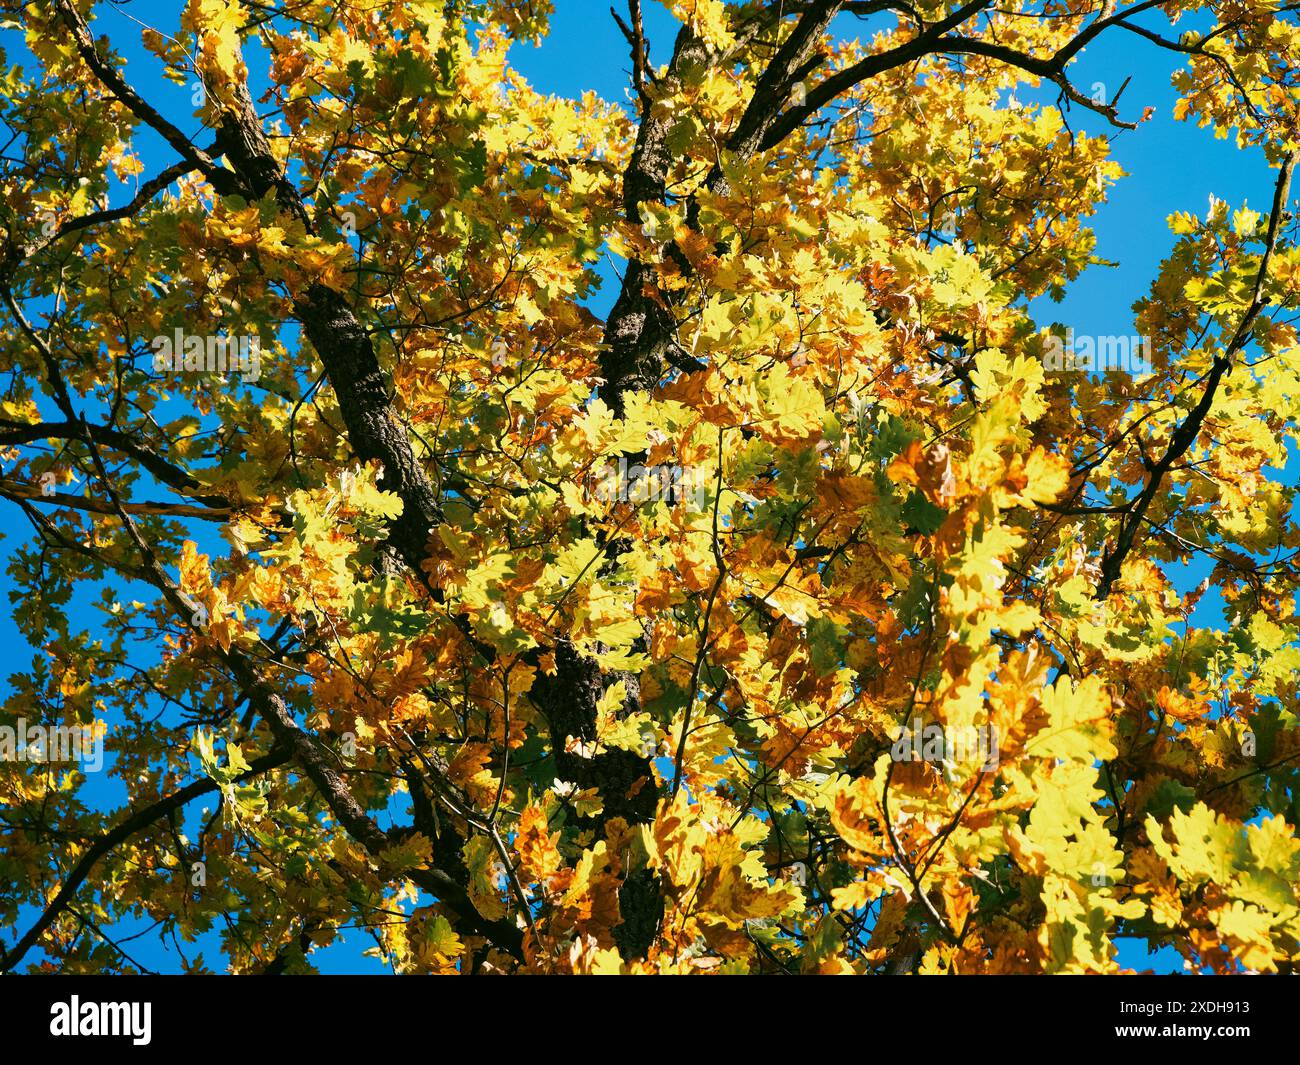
{"x": 534, "y": 639}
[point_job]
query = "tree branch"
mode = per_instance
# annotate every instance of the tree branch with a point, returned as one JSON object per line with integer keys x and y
{"x": 1185, "y": 435}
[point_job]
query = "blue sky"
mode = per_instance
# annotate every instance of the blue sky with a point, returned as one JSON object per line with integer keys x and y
{"x": 1171, "y": 167}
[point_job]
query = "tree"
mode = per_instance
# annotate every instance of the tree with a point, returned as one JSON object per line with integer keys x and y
{"x": 812, "y": 611}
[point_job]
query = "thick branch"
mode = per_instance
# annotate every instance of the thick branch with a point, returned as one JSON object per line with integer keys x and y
{"x": 109, "y": 76}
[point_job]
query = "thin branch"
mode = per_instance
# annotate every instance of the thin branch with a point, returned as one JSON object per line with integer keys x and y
{"x": 1186, "y": 433}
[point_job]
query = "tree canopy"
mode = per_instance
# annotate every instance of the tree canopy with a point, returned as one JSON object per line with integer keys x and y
{"x": 806, "y": 612}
